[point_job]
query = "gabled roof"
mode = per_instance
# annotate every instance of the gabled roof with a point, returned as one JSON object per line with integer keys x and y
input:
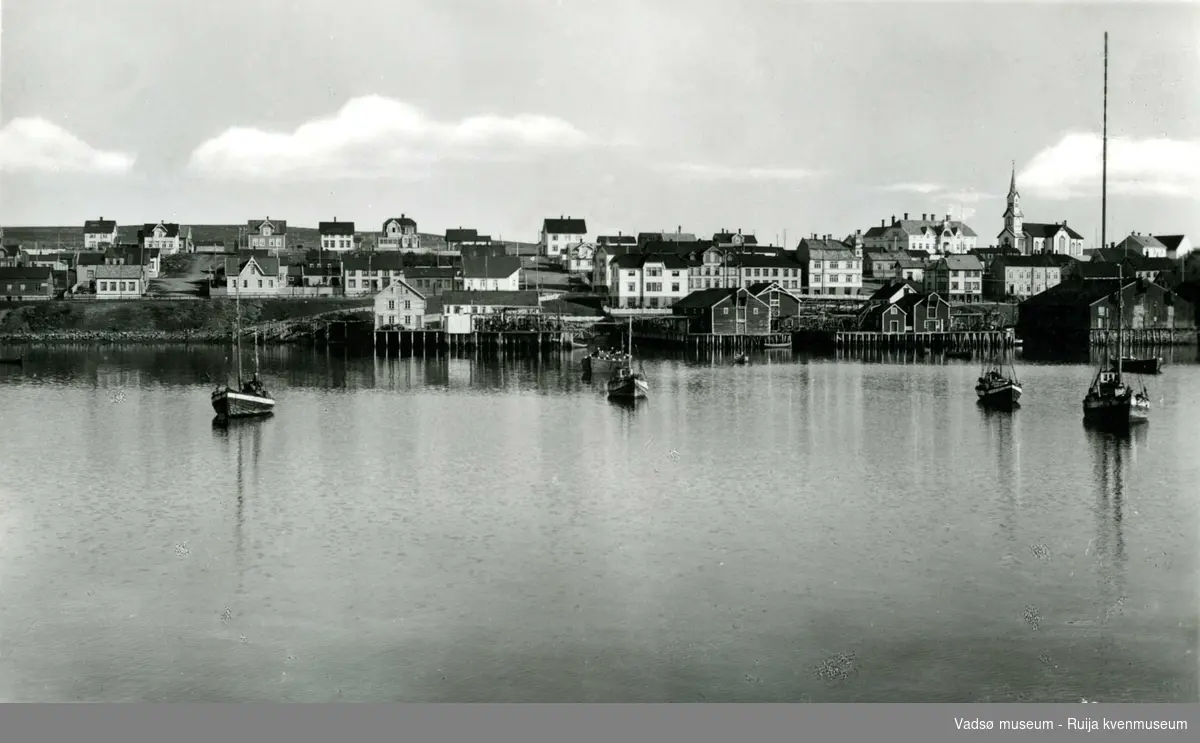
{"x": 374, "y": 262}
{"x": 1078, "y": 293}
{"x": 821, "y": 248}
{"x": 890, "y": 288}
{"x": 758, "y": 260}
{"x": 400, "y": 284}
{"x": 1037, "y": 260}
{"x": 920, "y": 226}
{"x": 25, "y": 272}
{"x": 99, "y": 226}
{"x": 758, "y": 288}
{"x": 968, "y": 262}
{"x": 1047, "y": 230}
{"x": 1170, "y": 242}
{"x": 336, "y": 228}
{"x": 564, "y": 226}
{"x": 1097, "y": 270}
{"x": 278, "y": 226}
{"x": 268, "y": 265}
{"x": 1143, "y": 263}
{"x": 118, "y": 272}
{"x": 500, "y": 267}
{"x": 728, "y": 237}
{"x": 1144, "y": 241}
{"x": 461, "y": 234}
{"x": 616, "y": 240}
{"x": 430, "y": 272}
{"x": 492, "y": 299}
{"x": 705, "y": 298}
{"x": 90, "y": 259}
{"x": 638, "y": 260}
{"x": 909, "y": 301}
{"x": 402, "y": 220}
{"x": 171, "y": 228}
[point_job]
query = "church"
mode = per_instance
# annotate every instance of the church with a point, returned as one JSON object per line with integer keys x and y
{"x": 1032, "y": 238}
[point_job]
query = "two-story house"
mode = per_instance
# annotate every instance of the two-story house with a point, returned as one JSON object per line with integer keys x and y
{"x": 99, "y": 233}
{"x": 252, "y": 276}
{"x": 373, "y": 272}
{"x": 400, "y": 233}
{"x": 165, "y": 237}
{"x": 1178, "y": 246}
{"x": 928, "y": 234}
{"x": 1020, "y": 276}
{"x": 958, "y": 278}
{"x": 267, "y": 234}
{"x": 85, "y": 269}
{"x": 727, "y": 239}
{"x": 602, "y": 263}
{"x": 559, "y": 234}
{"x": 458, "y": 238}
{"x": 756, "y": 268}
{"x": 135, "y": 255}
{"x": 491, "y": 274}
{"x": 336, "y": 236}
{"x": 399, "y": 304}
{"x": 650, "y": 281}
{"x": 581, "y": 259}
{"x": 1144, "y": 245}
{"x": 829, "y": 267}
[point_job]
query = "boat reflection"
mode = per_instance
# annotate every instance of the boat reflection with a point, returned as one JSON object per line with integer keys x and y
{"x": 628, "y": 403}
{"x": 1113, "y": 455}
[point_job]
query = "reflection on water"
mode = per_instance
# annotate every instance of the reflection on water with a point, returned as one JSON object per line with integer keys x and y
{"x": 462, "y": 529}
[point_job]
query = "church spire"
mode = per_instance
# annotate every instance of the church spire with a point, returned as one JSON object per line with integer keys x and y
{"x": 1012, "y": 185}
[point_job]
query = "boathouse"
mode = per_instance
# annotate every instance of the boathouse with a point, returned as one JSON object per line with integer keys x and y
{"x": 912, "y": 312}
{"x": 1083, "y": 312}
{"x": 724, "y": 312}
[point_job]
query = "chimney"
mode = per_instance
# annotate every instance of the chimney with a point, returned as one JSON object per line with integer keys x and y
{"x": 679, "y": 230}
{"x": 923, "y": 216}
{"x": 947, "y": 217}
{"x": 883, "y": 223}
{"x": 905, "y": 216}
{"x": 739, "y": 230}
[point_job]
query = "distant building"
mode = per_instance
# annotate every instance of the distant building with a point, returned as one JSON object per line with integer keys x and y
{"x": 491, "y": 274}
{"x": 372, "y": 272}
{"x": 581, "y": 259}
{"x": 99, "y": 233}
{"x": 399, "y": 233}
{"x": 725, "y": 239}
{"x": 882, "y": 264}
{"x": 85, "y": 269}
{"x": 120, "y": 282}
{"x": 1035, "y": 237}
{"x": 1143, "y": 245}
{"x": 559, "y": 234}
{"x": 653, "y": 281}
{"x": 268, "y": 234}
{"x": 26, "y": 283}
{"x": 724, "y": 312}
{"x": 829, "y": 266}
{"x": 910, "y": 312}
{"x": 252, "y": 277}
{"x": 892, "y": 291}
{"x": 1068, "y": 314}
{"x": 927, "y": 234}
{"x": 433, "y": 281}
{"x": 1020, "y": 277}
{"x": 166, "y": 238}
{"x": 781, "y": 302}
{"x": 399, "y": 304}
{"x": 958, "y": 278}
{"x": 336, "y": 236}
{"x": 460, "y": 309}
{"x": 617, "y": 239}
{"x": 460, "y": 237}
{"x": 1178, "y": 246}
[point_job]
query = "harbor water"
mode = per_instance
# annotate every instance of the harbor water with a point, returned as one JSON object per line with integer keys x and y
{"x": 460, "y": 529}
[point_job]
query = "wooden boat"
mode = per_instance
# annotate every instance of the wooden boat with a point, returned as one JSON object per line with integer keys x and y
{"x": 625, "y": 383}
{"x": 600, "y": 361}
{"x": 578, "y": 343}
{"x": 1133, "y": 365}
{"x": 249, "y": 398}
{"x": 741, "y": 358}
{"x": 1110, "y": 402}
{"x": 782, "y": 344}
{"x": 12, "y": 360}
{"x": 997, "y": 389}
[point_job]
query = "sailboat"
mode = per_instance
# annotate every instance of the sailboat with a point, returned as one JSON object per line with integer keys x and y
{"x": 997, "y": 389}
{"x": 625, "y": 382}
{"x": 1109, "y": 401}
{"x": 250, "y": 398}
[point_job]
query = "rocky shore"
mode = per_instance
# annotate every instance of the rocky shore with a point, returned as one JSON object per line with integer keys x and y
{"x": 126, "y": 336}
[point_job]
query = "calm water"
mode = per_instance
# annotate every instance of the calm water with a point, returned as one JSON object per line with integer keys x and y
{"x": 456, "y": 530}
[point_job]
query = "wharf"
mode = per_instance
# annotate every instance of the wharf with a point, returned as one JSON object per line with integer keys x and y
{"x": 430, "y": 342}
{"x": 974, "y": 339}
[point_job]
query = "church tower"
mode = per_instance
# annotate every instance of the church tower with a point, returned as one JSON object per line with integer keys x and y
{"x": 1014, "y": 220}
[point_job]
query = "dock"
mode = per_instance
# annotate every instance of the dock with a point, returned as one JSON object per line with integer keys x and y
{"x": 972, "y": 339}
{"x": 392, "y": 343}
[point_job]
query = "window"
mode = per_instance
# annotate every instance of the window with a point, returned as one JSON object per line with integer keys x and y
{"x": 756, "y": 310}
{"x": 391, "y": 305}
{"x": 408, "y": 319}
{"x": 631, "y": 288}
{"x": 270, "y": 283}
{"x": 675, "y": 287}
{"x": 724, "y": 310}
{"x": 245, "y": 283}
{"x": 260, "y": 283}
{"x": 408, "y": 304}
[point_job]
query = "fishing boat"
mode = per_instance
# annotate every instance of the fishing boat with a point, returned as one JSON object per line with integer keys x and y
{"x": 1133, "y": 365}
{"x": 779, "y": 344}
{"x": 249, "y": 398}
{"x": 12, "y": 360}
{"x": 997, "y": 389}
{"x": 625, "y": 383}
{"x": 741, "y": 358}
{"x": 601, "y": 360}
{"x": 1109, "y": 401}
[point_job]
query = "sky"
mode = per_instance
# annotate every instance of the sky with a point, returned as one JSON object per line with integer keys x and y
{"x": 767, "y": 116}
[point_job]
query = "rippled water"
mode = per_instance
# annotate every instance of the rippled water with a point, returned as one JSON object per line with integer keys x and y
{"x": 472, "y": 530}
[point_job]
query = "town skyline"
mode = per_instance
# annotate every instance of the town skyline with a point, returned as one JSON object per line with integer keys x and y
{"x": 469, "y": 124}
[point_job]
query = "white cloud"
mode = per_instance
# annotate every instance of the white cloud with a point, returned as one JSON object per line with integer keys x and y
{"x": 1154, "y": 167}
{"x": 922, "y": 188}
{"x": 37, "y": 145}
{"x": 723, "y": 173}
{"x": 376, "y": 136}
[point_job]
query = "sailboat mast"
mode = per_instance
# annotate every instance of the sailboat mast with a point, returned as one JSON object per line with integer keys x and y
{"x": 256, "y": 353}
{"x": 1104, "y": 157}
{"x": 237, "y": 301}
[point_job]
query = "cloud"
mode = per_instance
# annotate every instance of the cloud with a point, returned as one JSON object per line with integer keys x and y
{"x": 375, "y": 136}
{"x": 1149, "y": 167}
{"x": 922, "y": 188}
{"x": 37, "y": 145}
{"x": 724, "y": 173}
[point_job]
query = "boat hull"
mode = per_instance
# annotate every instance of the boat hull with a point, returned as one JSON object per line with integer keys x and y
{"x": 231, "y": 404}
{"x": 999, "y": 395}
{"x": 599, "y": 365}
{"x": 777, "y": 345}
{"x": 1140, "y": 366}
{"x": 1122, "y": 410}
{"x": 630, "y": 388}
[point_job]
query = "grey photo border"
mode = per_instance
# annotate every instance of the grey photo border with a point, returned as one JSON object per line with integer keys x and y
{"x": 532, "y": 723}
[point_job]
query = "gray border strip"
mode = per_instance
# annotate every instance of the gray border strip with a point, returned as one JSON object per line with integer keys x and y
{"x": 530, "y": 723}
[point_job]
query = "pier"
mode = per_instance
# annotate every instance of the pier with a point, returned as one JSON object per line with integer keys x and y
{"x": 391, "y": 343}
{"x": 972, "y": 339}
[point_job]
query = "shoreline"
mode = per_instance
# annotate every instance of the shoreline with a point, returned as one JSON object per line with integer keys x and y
{"x": 149, "y": 337}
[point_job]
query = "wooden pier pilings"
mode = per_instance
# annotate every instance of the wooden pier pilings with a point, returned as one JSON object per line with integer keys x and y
{"x": 393, "y": 343}
{"x": 965, "y": 339}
